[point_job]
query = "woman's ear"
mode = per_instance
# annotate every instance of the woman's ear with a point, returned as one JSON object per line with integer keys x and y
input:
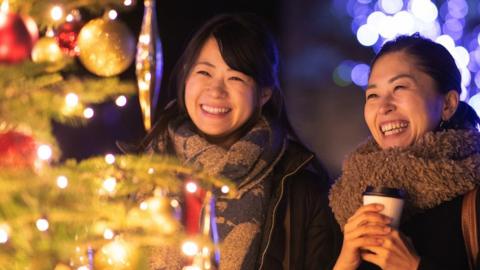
{"x": 265, "y": 95}
{"x": 450, "y": 105}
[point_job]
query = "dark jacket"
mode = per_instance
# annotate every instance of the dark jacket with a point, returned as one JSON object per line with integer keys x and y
{"x": 300, "y": 231}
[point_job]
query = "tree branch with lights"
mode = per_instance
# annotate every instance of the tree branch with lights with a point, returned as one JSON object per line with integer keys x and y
{"x": 101, "y": 212}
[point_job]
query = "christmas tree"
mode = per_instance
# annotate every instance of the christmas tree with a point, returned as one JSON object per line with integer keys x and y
{"x": 102, "y": 212}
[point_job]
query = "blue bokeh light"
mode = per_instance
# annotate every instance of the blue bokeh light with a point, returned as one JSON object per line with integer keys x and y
{"x": 359, "y": 74}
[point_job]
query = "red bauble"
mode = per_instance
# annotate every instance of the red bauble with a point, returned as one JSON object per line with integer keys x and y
{"x": 17, "y": 150}
{"x": 15, "y": 40}
{"x": 67, "y": 34}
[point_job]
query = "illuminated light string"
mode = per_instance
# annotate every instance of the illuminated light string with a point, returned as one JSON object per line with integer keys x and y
{"x": 376, "y": 21}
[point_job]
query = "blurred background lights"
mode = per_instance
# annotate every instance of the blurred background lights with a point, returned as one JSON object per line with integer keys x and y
{"x": 121, "y": 101}
{"x": 366, "y": 35}
{"x": 225, "y": 189}
{"x": 108, "y": 234}
{"x": 475, "y": 103}
{"x": 424, "y": 10}
{"x": 112, "y": 14}
{"x": 191, "y": 187}
{"x": 190, "y": 248}
{"x": 88, "y": 113}
{"x": 391, "y": 6}
{"x": 62, "y": 181}
{"x": 71, "y": 99}
{"x": 127, "y": 2}
{"x": 360, "y": 74}
{"x": 109, "y": 158}
{"x": 42, "y": 224}
{"x": 4, "y": 233}
{"x": 110, "y": 184}
{"x": 56, "y": 13}
{"x": 44, "y": 152}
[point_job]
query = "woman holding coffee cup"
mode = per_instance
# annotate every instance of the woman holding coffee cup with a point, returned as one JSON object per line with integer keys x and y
{"x": 425, "y": 142}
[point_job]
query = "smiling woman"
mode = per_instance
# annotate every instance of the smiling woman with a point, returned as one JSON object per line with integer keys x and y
{"x": 227, "y": 117}
{"x": 425, "y": 142}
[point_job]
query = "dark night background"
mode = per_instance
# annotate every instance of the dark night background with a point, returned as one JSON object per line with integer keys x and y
{"x": 313, "y": 36}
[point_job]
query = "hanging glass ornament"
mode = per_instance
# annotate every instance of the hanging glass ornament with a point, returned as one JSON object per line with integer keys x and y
{"x": 67, "y": 34}
{"x": 149, "y": 63}
{"x": 107, "y": 47}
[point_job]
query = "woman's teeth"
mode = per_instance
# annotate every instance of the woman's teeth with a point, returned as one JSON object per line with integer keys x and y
{"x": 215, "y": 110}
{"x": 393, "y": 128}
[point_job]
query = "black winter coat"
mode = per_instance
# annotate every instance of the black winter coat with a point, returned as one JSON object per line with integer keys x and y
{"x": 300, "y": 231}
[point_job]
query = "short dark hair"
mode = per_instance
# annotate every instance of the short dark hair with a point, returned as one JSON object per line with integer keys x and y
{"x": 435, "y": 60}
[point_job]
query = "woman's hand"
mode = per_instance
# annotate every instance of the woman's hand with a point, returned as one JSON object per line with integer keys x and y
{"x": 366, "y": 228}
{"x": 396, "y": 252}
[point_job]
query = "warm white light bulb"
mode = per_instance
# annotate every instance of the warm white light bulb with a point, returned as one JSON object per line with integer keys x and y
{"x": 42, "y": 224}
{"x": 71, "y": 99}
{"x": 108, "y": 234}
{"x": 121, "y": 101}
{"x": 62, "y": 181}
{"x": 110, "y": 184}
{"x": 112, "y": 14}
{"x": 127, "y": 3}
{"x": 109, "y": 158}
{"x": 88, "y": 113}
{"x": 174, "y": 203}
{"x": 190, "y": 248}
{"x": 225, "y": 189}
{"x": 44, "y": 152}
{"x": 4, "y": 233}
{"x": 56, "y": 13}
{"x": 191, "y": 187}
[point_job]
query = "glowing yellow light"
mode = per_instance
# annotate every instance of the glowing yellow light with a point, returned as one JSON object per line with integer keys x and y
{"x": 121, "y": 101}
{"x": 57, "y": 13}
{"x": 148, "y": 76}
{"x": 62, "y": 181}
{"x": 42, "y": 224}
{"x": 117, "y": 252}
{"x": 83, "y": 267}
{"x": 69, "y": 18}
{"x": 108, "y": 234}
{"x": 109, "y": 158}
{"x": 71, "y": 99}
{"x": 191, "y": 187}
{"x": 4, "y": 8}
{"x": 151, "y": 171}
{"x": 127, "y": 3}
{"x": 110, "y": 184}
{"x": 4, "y": 233}
{"x": 174, "y": 203}
{"x": 50, "y": 32}
{"x": 144, "y": 205}
{"x": 190, "y": 248}
{"x": 225, "y": 189}
{"x": 112, "y": 14}
{"x": 44, "y": 152}
{"x": 145, "y": 38}
{"x": 88, "y": 113}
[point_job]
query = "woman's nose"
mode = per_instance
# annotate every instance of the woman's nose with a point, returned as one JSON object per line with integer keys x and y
{"x": 387, "y": 105}
{"x": 217, "y": 89}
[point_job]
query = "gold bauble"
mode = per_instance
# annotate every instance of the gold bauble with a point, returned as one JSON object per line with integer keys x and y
{"x": 46, "y": 50}
{"x": 107, "y": 47}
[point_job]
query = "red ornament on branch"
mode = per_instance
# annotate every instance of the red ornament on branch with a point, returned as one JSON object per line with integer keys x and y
{"x": 67, "y": 34}
{"x": 15, "y": 42}
{"x": 17, "y": 150}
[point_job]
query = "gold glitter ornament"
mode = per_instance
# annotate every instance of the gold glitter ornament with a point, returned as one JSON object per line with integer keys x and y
{"x": 46, "y": 49}
{"x": 107, "y": 47}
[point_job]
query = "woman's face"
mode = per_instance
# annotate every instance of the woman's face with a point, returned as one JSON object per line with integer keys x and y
{"x": 402, "y": 103}
{"x": 219, "y": 100}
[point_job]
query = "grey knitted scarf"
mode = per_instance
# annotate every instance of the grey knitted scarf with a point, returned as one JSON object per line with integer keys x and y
{"x": 249, "y": 163}
{"x": 437, "y": 168}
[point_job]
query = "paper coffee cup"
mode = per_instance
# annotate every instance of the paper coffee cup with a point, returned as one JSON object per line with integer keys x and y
{"x": 391, "y": 198}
